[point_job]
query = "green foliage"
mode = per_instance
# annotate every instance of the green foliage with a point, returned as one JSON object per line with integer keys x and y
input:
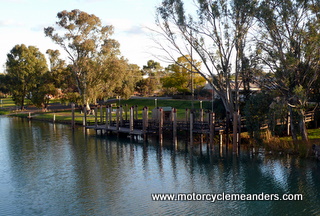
{"x": 151, "y": 84}
{"x": 256, "y": 113}
{"x": 96, "y": 66}
{"x": 181, "y": 76}
{"x": 25, "y": 67}
{"x": 290, "y": 44}
{"x": 4, "y": 79}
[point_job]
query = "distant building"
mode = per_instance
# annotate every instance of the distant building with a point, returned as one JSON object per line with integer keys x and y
{"x": 254, "y": 87}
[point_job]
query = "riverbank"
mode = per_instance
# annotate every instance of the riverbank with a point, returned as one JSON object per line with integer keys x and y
{"x": 61, "y": 113}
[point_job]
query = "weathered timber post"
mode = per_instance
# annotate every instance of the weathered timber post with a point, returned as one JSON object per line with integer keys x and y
{"x": 110, "y": 114}
{"x": 212, "y": 128}
{"x": 145, "y": 121}
{"x": 131, "y": 119}
{"x": 117, "y": 118}
{"x": 239, "y": 132}
{"x": 96, "y": 116}
{"x": 174, "y": 127}
{"x": 288, "y": 124}
{"x": 201, "y": 123}
{"x": 235, "y": 132}
{"x": 191, "y": 129}
{"x": 221, "y": 137}
{"x": 101, "y": 115}
{"x": 121, "y": 116}
{"x": 54, "y": 118}
{"x": 85, "y": 116}
{"x": 227, "y": 129}
{"x": 187, "y": 115}
{"x": 107, "y": 118}
{"x": 160, "y": 125}
{"x": 221, "y": 142}
{"x": 72, "y": 119}
{"x": 126, "y": 111}
{"x": 29, "y": 115}
{"x": 136, "y": 112}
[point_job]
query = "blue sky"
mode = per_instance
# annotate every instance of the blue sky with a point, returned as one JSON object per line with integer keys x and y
{"x": 22, "y": 22}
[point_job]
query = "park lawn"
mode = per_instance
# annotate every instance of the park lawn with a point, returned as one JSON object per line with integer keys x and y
{"x": 313, "y": 134}
{"x": 65, "y": 116}
{"x": 6, "y": 103}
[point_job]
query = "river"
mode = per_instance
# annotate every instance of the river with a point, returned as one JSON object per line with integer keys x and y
{"x": 47, "y": 169}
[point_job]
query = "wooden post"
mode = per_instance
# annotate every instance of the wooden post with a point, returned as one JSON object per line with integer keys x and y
{"x": 160, "y": 125}
{"x": 288, "y": 124}
{"x": 212, "y": 128}
{"x": 96, "y": 116}
{"x": 72, "y": 119}
{"x": 117, "y": 118}
{"x": 187, "y": 115}
{"x": 107, "y": 118}
{"x": 201, "y": 123}
{"x": 191, "y": 129}
{"x": 54, "y": 118}
{"x": 136, "y": 112}
{"x": 131, "y": 119}
{"x": 101, "y": 115}
{"x": 121, "y": 116}
{"x": 239, "y": 132}
{"x": 126, "y": 111}
{"x": 221, "y": 137}
{"x": 110, "y": 114}
{"x": 85, "y": 116}
{"x": 174, "y": 127}
{"x": 235, "y": 132}
{"x": 221, "y": 141}
{"x": 145, "y": 121}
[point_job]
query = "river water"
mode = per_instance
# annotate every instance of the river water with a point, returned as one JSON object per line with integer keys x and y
{"x": 46, "y": 169}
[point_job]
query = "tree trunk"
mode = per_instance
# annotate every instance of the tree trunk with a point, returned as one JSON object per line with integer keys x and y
{"x": 303, "y": 128}
{"x": 293, "y": 131}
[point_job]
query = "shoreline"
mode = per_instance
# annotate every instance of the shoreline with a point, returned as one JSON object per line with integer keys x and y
{"x": 309, "y": 154}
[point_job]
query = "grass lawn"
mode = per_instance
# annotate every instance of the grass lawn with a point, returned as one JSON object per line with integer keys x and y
{"x": 313, "y": 134}
{"x": 65, "y": 116}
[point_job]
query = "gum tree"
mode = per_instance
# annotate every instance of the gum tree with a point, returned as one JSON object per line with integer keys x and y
{"x": 91, "y": 51}
{"x": 26, "y": 67}
{"x": 290, "y": 44}
{"x": 215, "y": 32}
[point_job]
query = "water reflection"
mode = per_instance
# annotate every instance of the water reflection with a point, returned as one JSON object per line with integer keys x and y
{"x": 46, "y": 169}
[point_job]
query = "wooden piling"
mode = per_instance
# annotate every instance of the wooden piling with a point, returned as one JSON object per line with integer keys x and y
{"x": 126, "y": 111}
{"x": 85, "y": 116}
{"x": 136, "y": 111}
{"x": 160, "y": 125}
{"x": 212, "y": 128}
{"x": 145, "y": 121}
{"x": 191, "y": 128}
{"x": 107, "y": 117}
{"x": 174, "y": 127}
{"x": 235, "y": 132}
{"x": 110, "y": 114}
{"x": 118, "y": 118}
{"x": 101, "y": 115}
{"x": 131, "y": 119}
{"x": 96, "y": 116}
{"x": 121, "y": 116}
{"x": 187, "y": 115}
{"x": 72, "y": 119}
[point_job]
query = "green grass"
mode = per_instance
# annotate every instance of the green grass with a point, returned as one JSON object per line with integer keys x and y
{"x": 313, "y": 134}
{"x": 6, "y": 103}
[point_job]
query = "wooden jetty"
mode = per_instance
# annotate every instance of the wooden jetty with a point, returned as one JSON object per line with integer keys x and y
{"x": 124, "y": 120}
{"x": 164, "y": 121}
